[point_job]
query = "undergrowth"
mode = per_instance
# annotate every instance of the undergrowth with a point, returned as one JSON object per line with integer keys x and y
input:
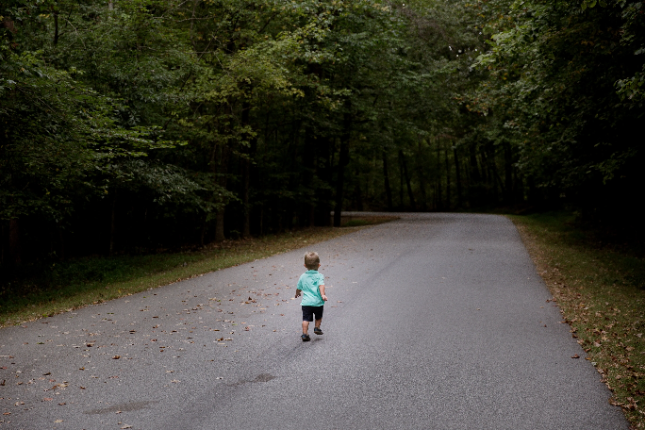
{"x": 37, "y": 291}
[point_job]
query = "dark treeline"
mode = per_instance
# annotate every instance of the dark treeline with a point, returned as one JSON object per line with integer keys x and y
{"x": 149, "y": 124}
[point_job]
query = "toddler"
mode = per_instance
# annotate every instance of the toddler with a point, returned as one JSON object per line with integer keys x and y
{"x": 311, "y": 286}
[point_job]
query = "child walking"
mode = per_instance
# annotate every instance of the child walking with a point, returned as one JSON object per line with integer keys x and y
{"x": 311, "y": 286}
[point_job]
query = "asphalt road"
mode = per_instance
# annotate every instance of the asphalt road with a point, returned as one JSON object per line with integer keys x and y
{"x": 435, "y": 321}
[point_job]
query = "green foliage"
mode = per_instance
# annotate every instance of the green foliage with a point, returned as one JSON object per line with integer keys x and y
{"x": 146, "y": 123}
{"x": 554, "y": 69}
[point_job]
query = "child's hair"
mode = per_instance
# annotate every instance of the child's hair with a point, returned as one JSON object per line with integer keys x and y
{"x": 312, "y": 260}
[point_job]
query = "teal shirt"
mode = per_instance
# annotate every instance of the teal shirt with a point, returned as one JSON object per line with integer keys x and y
{"x": 308, "y": 284}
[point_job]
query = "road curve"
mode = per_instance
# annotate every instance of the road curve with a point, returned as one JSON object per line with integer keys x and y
{"x": 435, "y": 321}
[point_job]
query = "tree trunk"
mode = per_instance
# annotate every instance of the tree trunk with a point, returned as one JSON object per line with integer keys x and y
{"x": 246, "y": 171}
{"x": 112, "y": 225}
{"x": 485, "y": 179}
{"x": 246, "y": 227}
{"x": 386, "y": 178}
{"x": 508, "y": 173}
{"x": 343, "y": 161}
{"x": 2, "y": 241}
{"x": 309, "y": 163}
{"x": 458, "y": 176}
{"x": 407, "y": 181}
{"x": 202, "y": 236}
{"x": 422, "y": 177}
{"x": 219, "y": 226}
{"x": 56, "y": 25}
{"x": 222, "y": 181}
{"x": 15, "y": 256}
{"x": 401, "y": 203}
{"x": 448, "y": 194}
{"x": 495, "y": 177}
{"x": 475, "y": 182}
{"x": 439, "y": 204}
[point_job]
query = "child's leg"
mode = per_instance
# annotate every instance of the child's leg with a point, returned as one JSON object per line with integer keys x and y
{"x": 319, "y": 316}
{"x": 307, "y": 317}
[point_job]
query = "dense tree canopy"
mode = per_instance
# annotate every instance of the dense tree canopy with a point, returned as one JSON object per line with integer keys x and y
{"x": 156, "y": 123}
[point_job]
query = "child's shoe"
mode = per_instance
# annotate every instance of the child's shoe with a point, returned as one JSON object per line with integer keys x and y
{"x": 317, "y": 331}
{"x": 305, "y": 338}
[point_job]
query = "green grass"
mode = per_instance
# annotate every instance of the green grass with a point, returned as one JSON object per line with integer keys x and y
{"x": 42, "y": 291}
{"x": 599, "y": 284}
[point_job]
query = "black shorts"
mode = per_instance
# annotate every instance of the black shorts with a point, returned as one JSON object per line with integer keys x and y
{"x": 308, "y": 312}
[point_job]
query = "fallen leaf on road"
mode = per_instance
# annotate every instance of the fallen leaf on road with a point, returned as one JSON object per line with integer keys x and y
{"x": 62, "y": 404}
{"x": 6, "y": 413}
{"x": 127, "y": 426}
{"x": 116, "y": 357}
{"x": 82, "y": 388}
{"x": 175, "y": 381}
{"x": 47, "y": 399}
{"x": 575, "y": 356}
{"x": 58, "y": 421}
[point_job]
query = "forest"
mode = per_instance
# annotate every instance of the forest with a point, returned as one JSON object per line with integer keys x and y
{"x": 144, "y": 125}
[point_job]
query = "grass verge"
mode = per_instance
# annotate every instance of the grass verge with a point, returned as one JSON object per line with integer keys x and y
{"x": 358, "y": 221}
{"x": 45, "y": 291}
{"x": 600, "y": 288}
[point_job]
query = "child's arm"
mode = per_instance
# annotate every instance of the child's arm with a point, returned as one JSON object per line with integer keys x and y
{"x": 298, "y": 290}
{"x": 322, "y": 292}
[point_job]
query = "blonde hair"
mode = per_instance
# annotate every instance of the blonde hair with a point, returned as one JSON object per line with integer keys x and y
{"x": 312, "y": 260}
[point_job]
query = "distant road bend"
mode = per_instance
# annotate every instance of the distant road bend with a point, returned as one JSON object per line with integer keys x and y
{"x": 435, "y": 321}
